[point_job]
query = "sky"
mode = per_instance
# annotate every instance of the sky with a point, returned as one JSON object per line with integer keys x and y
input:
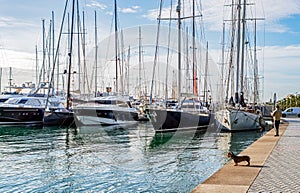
{"x": 278, "y": 34}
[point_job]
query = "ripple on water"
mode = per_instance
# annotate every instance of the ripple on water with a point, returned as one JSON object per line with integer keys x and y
{"x": 110, "y": 159}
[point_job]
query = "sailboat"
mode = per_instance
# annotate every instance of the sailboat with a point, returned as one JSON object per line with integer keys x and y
{"x": 237, "y": 115}
{"x": 56, "y": 114}
{"x": 189, "y": 113}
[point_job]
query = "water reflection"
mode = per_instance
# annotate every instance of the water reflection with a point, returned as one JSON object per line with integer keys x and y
{"x": 18, "y": 131}
{"x": 239, "y": 140}
{"x": 113, "y": 133}
{"x": 179, "y": 137}
{"x": 114, "y": 159}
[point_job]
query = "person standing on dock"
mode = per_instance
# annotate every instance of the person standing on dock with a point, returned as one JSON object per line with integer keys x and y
{"x": 276, "y": 114}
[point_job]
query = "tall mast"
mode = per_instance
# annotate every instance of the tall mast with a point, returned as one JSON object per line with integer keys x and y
{"x": 222, "y": 60}
{"x": 195, "y": 89}
{"x": 53, "y": 52}
{"x": 256, "y": 82}
{"x": 78, "y": 47}
{"x": 255, "y": 67}
{"x": 140, "y": 60}
{"x": 121, "y": 65}
{"x": 243, "y": 48}
{"x": 36, "y": 65}
{"x": 44, "y": 50}
{"x": 178, "y": 9}
{"x": 128, "y": 64}
{"x": 168, "y": 56}
{"x": 85, "y": 81}
{"x": 68, "y": 21}
{"x": 231, "y": 61}
{"x": 156, "y": 52}
{"x": 238, "y": 53}
{"x": 70, "y": 56}
{"x": 49, "y": 54}
{"x": 230, "y": 77}
{"x": 116, "y": 44}
{"x": 56, "y": 57}
{"x": 96, "y": 54}
{"x": 187, "y": 81}
{"x": 69, "y": 31}
{"x": 10, "y": 78}
{"x": 205, "y": 75}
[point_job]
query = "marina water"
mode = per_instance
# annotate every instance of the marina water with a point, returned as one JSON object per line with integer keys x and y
{"x": 111, "y": 159}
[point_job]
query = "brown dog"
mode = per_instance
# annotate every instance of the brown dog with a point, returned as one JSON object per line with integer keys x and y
{"x": 238, "y": 159}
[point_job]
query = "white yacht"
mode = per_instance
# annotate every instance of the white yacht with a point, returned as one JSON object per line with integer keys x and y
{"x": 22, "y": 111}
{"x": 109, "y": 110}
{"x": 30, "y": 110}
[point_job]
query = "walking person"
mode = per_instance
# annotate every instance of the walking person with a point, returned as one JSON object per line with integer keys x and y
{"x": 276, "y": 114}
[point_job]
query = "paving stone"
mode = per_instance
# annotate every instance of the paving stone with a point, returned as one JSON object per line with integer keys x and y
{"x": 281, "y": 172}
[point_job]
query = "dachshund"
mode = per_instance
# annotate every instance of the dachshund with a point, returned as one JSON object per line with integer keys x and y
{"x": 238, "y": 159}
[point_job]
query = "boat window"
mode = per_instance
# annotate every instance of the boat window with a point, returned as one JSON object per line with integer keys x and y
{"x": 23, "y": 101}
{"x": 11, "y": 101}
{"x": 34, "y": 102}
{"x": 123, "y": 105}
{"x": 129, "y": 104}
{"x": 112, "y": 102}
{"x": 187, "y": 106}
{"x": 105, "y": 102}
{"x": 99, "y": 101}
{"x": 54, "y": 104}
{"x": 2, "y": 100}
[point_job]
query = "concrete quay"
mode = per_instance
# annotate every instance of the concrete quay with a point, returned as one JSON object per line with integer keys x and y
{"x": 274, "y": 165}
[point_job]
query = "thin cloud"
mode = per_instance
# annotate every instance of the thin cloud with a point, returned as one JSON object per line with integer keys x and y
{"x": 276, "y": 27}
{"x": 132, "y": 9}
{"x": 165, "y": 13}
{"x": 10, "y": 22}
{"x": 5, "y": 22}
{"x": 96, "y": 4}
{"x": 279, "y": 9}
{"x": 128, "y": 10}
{"x": 282, "y": 67}
{"x": 135, "y": 7}
{"x": 109, "y": 13}
{"x": 214, "y": 12}
{"x": 15, "y": 58}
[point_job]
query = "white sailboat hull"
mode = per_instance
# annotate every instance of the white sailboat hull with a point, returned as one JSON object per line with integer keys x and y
{"x": 237, "y": 120}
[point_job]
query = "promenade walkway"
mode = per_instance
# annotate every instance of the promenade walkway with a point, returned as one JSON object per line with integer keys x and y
{"x": 274, "y": 166}
{"x": 281, "y": 171}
